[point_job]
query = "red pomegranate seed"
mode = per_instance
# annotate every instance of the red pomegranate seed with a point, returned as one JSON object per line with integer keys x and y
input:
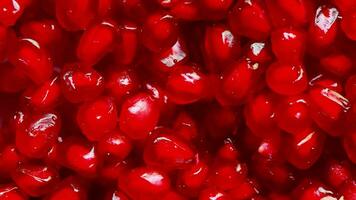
{"x": 260, "y": 115}
{"x": 75, "y": 15}
{"x": 304, "y": 149}
{"x": 337, "y": 173}
{"x": 97, "y": 118}
{"x": 186, "y": 85}
{"x": 145, "y": 183}
{"x": 11, "y": 192}
{"x": 121, "y": 83}
{"x": 11, "y": 10}
{"x": 239, "y": 82}
{"x": 35, "y": 179}
{"x": 288, "y": 44}
{"x": 38, "y": 134}
{"x": 33, "y": 59}
{"x": 159, "y": 32}
{"x": 44, "y": 97}
{"x": 70, "y": 188}
{"x": 249, "y": 19}
{"x": 115, "y": 144}
{"x": 221, "y": 45}
{"x": 80, "y": 85}
{"x": 328, "y": 109}
{"x": 138, "y": 116}
{"x": 293, "y": 115}
{"x": 286, "y": 79}
{"x": 338, "y": 64}
{"x": 80, "y": 156}
{"x": 96, "y": 42}
{"x": 167, "y": 152}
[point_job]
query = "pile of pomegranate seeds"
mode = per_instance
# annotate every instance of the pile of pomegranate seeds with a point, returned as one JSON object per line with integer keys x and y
{"x": 178, "y": 99}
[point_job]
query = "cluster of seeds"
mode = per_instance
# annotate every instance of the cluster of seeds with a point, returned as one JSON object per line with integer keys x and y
{"x": 178, "y": 99}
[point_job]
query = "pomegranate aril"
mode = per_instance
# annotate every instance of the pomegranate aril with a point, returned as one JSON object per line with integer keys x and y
{"x": 303, "y": 149}
{"x": 33, "y": 59}
{"x": 115, "y": 144}
{"x": 97, "y": 118}
{"x": 145, "y": 183}
{"x": 46, "y": 32}
{"x": 11, "y": 192}
{"x": 186, "y": 85}
{"x": 193, "y": 177}
{"x": 239, "y": 82}
{"x": 288, "y": 44}
{"x": 337, "y": 173}
{"x": 159, "y": 32}
{"x": 122, "y": 83}
{"x": 35, "y": 179}
{"x": 80, "y": 85}
{"x": 11, "y": 10}
{"x": 80, "y": 156}
{"x": 286, "y": 79}
{"x": 260, "y": 115}
{"x": 139, "y": 115}
{"x": 70, "y": 188}
{"x": 44, "y": 97}
{"x": 249, "y": 19}
{"x": 293, "y": 114}
{"x": 337, "y": 64}
{"x": 167, "y": 152}
{"x": 74, "y": 15}
{"x": 38, "y": 134}
{"x": 96, "y": 42}
{"x": 328, "y": 109}
{"x": 220, "y": 45}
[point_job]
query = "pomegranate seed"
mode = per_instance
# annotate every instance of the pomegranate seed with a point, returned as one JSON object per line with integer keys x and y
{"x": 167, "y": 152}
{"x": 286, "y": 79}
{"x": 34, "y": 60}
{"x": 138, "y": 116}
{"x": 115, "y": 144}
{"x": 11, "y": 10}
{"x": 257, "y": 26}
{"x": 288, "y": 44}
{"x": 97, "y": 118}
{"x": 78, "y": 86}
{"x": 75, "y": 15}
{"x": 143, "y": 182}
{"x": 159, "y": 32}
{"x": 35, "y": 179}
{"x": 11, "y": 192}
{"x": 304, "y": 149}
{"x": 96, "y": 42}
{"x": 38, "y": 134}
